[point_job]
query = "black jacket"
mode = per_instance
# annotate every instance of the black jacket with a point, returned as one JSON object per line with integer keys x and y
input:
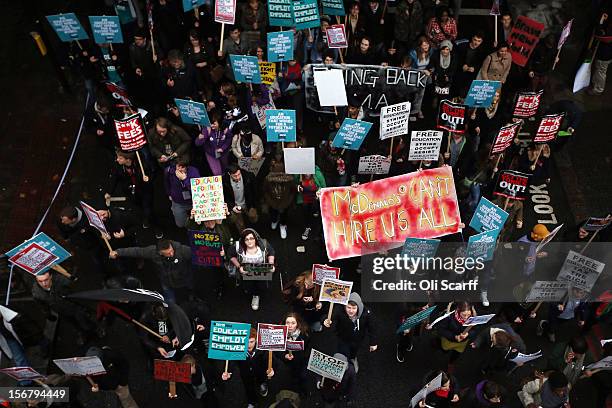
{"x": 248, "y": 180}
{"x": 355, "y": 332}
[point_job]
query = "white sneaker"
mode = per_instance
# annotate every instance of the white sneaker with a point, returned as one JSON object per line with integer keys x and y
{"x": 273, "y": 225}
{"x": 255, "y": 303}
{"x": 306, "y": 233}
{"x": 484, "y": 299}
{"x": 283, "y": 231}
{"x": 250, "y": 406}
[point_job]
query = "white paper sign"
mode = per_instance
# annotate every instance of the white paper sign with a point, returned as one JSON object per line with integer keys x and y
{"x": 374, "y": 164}
{"x": 547, "y": 291}
{"x": 93, "y": 218}
{"x": 207, "y": 198}
{"x": 425, "y": 145}
{"x": 604, "y": 364}
{"x": 326, "y": 366}
{"x": 432, "y": 324}
{"x": 603, "y": 342}
{"x": 580, "y": 271}
{"x": 426, "y": 390}
{"x": 81, "y": 366}
{"x": 548, "y": 238}
{"x": 476, "y": 320}
{"x": 330, "y": 87}
{"x": 394, "y": 120}
{"x": 299, "y": 160}
{"x": 524, "y": 358}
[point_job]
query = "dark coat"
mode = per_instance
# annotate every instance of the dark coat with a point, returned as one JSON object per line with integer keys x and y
{"x": 248, "y": 180}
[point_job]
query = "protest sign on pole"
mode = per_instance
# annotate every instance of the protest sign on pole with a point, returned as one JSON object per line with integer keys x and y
{"x": 93, "y": 218}
{"x": 189, "y": 5}
{"x": 228, "y": 340}
{"x": 335, "y": 291}
{"x": 205, "y": 248}
{"x": 430, "y": 387}
{"x": 394, "y": 120}
{"x": 44, "y": 241}
{"x": 420, "y": 247}
{"x": 451, "y": 117}
{"x": 330, "y": 87}
{"x": 81, "y": 366}
{"x": 295, "y": 345}
{"x": 207, "y": 198}
{"x": 67, "y": 27}
{"x": 192, "y": 112}
{"x": 478, "y": 320}
{"x": 271, "y": 337}
{"x": 482, "y": 93}
{"x": 259, "y": 111}
{"x": 488, "y": 216}
{"x": 512, "y": 184}
{"x": 379, "y": 211}
{"x": 549, "y": 238}
{"x": 333, "y": 7}
{"x": 596, "y": 223}
{"x": 326, "y": 366}
{"x": 580, "y": 271}
{"x": 562, "y": 39}
{"x": 250, "y": 164}
{"x": 280, "y": 46}
{"x": 172, "y": 372}
{"x": 525, "y": 358}
{"x": 603, "y": 364}
{"x": 225, "y": 11}
{"x": 351, "y": 134}
{"x": 549, "y": 127}
{"x": 415, "y": 319}
{"x": 22, "y": 373}
{"x": 106, "y": 29}
{"x": 280, "y": 125}
{"x": 374, "y": 164}
{"x": 505, "y": 137}
{"x": 425, "y": 145}
{"x": 267, "y": 70}
{"x": 523, "y": 39}
{"x": 280, "y": 13}
{"x": 482, "y": 245}
{"x": 245, "y": 68}
{"x": 299, "y": 160}
{"x": 547, "y": 291}
{"x": 258, "y": 272}
{"x": 321, "y": 272}
{"x": 336, "y": 36}
{"x": 527, "y": 104}
{"x": 33, "y": 259}
{"x": 131, "y": 133}
{"x": 306, "y": 14}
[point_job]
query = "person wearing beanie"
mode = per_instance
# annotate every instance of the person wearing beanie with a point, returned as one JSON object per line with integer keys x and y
{"x": 443, "y": 65}
{"x": 538, "y": 233}
{"x": 548, "y": 390}
{"x": 333, "y": 392}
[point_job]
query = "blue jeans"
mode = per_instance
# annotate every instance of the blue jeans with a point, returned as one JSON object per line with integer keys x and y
{"x": 19, "y": 357}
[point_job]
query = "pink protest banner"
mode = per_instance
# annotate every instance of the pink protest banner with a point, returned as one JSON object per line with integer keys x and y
{"x": 321, "y": 272}
{"x": 523, "y": 38}
{"x": 336, "y": 36}
{"x": 504, "y": 137}
{"x": 271, "y": 337}
{"x": 549, "y": 127}
{"x": 225, "y": 11}
{"x": 131, "y": 133}
{"x": 33, "y": 258}
{"x": 527, "y": 104}
{"x": 381, "y": 214}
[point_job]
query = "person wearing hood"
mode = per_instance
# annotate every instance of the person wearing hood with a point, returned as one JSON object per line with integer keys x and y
{"x": 353, "y": 323}
{"x": 500, "y": 343}
{"x": 245, "y": 143}
{"x": 538, "y": 233}
{"x": 333, "y": 392}
{"x": 443, "y": 65}
{"x": 548, "y": 390}
{"x": 279, "y": 190}
{"x": 486, "y": 394}
{"x": 251, "y": 249}
{"x": 117, "y": 369}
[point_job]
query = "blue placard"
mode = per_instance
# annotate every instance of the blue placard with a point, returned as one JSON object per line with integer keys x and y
{"x": 280, "y": 13}
{"x": 189, "y": 5}
{"x": 106, "y": 29}
{"x": 488, "y": 216}
{"x": 420, "y": 247}
{"x": 67, "y": 27}
{"x": 246, "y": 68}
{"x": 482, "y": 245}
{"x": 46, "y": 242}
{"x": 228, "y": 340}
{"x": 333, "y": 7}
{"x": 415, "y": 319}
{"x": 481, "y": 93}
{"x": 306, "y": 14}
{"x": 280, "y": 46}
{"x": 193, "y": 113}
{"x": 280, "y": 125}
{"x": 351, "y": 134}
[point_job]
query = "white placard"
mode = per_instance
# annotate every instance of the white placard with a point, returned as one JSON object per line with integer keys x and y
{"x": 81, "y": 366}
{"x": 524, "y": 358}
{"x": 394, "y": 120}
{"x": 425, "y": 145}
{"x": 326, "y": 366}
{"x": 580, "y": 271}
{"x": 374, "y": 164}
{"x": 330, "y": 87}
{"x": 426, "y": 390}
{"x": 299, "y": 160}
{"x": 477, "y": 320}
{"x": 547, "y": 291}
{"x": 604, "y": 364}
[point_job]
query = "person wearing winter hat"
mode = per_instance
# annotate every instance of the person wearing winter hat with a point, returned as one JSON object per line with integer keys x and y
{"x": 333, "y": 392}
{"x": 538, "y": 233}
{"x": 546, "y": 391}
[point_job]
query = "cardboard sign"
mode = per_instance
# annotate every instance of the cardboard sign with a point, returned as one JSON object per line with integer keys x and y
{"x": 565, "y": 34}
{"x": 131, "y": 133}
{"x": 81, "y": 366}
{"x": 228, "y": 340}
{"x": 425, "y": 145}
{"x": 415, "y": 319}
{"x": 523, "y": 39}
{"x": 306, "y": 14}
{"x": 336, "y": 36}
{"x": 205, "y": 248}
{"x": 299, "y": 160}
{"x": 547, "y": 291}
{"x": 451, "y": 117}
{"x": 280, "y": 125}
{"x": 549, "y": 127}
{"x": 333, "y": 7}
{"x": 430, "y": 387}
{"x": 93, "y": 218}
{"x": 22, "y": 373}
{"x": 335, "y": 291}
{"x": 295, "y": 345}
{"x": 250, "y": 164}
{"x": 168, "y": 370}
{"x": 245, "y": 68}
{"x": 482, "y": 245}
{"x": 67, "y": 27}
{"x": 225, "y": 11}
{"x": 478, "y": 320}
{"x": 259, "y": 111}
{"x": 394, "y": 120}
{"x": 374, "y": 164}
{"x": 106, "y": 29}
{"x": 271, "y": 337}
{"x": 383, "y": 213}
{"x": 280, "y": 46}
{"x": 525, "y": 358}
{"x": 267, "y": 71}
{"x": 34, "y": 258}
{"x": 488, "y": 216}
{"x": 527, "y": 104}
{"x": 330, "y": 87}
{"x": 580, "y": 271}
{"x": 512, "y": 184}
{"x": 189, "y": 5}
{"x": 420, "y": 247}
{"x": 257, "y": 272}
{"x": 603, "y": 364}
{"x": 322, "y": 272}
{"x": 596, "y": 224}
{"x": 192, "y": 112}
{"x": 326, "y": 366}
{"x": 481, "y": 93}
{"x": 351, "y": 134}
{"x": 207, "y": 198}
{"x": 280, "y": 13}
{"x": 505, "y": 137}
{"x": 43, "y": 240}
{"x": 549, "y": 238}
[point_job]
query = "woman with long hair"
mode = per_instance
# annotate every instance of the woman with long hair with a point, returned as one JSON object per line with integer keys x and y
{"x": 217, "y": 142}
{"x": 420, "y": 56}
{"x": 454, "y": 337}
{"x": 296, "y": 355}
{"x": 302, "y": 295}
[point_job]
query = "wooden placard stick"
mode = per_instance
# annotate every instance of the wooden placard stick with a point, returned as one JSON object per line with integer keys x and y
{"x": 222, "y": 34}
{"x": 506, "y": 203}
{"x": 61, "y": 270}
{"x": 172, "y": 390}
{"x": 269, "y": 361}
{"x": 108, "y": 245}
{"x": 329, "y": 313}
{"x": 540, "y": 148}
{"x": 144, "y": 176}
{"x": 391, "y": 147}
{"x": 592, "y": 238}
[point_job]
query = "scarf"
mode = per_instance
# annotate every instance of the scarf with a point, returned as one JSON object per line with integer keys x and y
{"x": 442, "y": 393}
{"x": 445, "y": 61}
{"x": 294, "y": 336}
{"x": 459, "y": 319}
